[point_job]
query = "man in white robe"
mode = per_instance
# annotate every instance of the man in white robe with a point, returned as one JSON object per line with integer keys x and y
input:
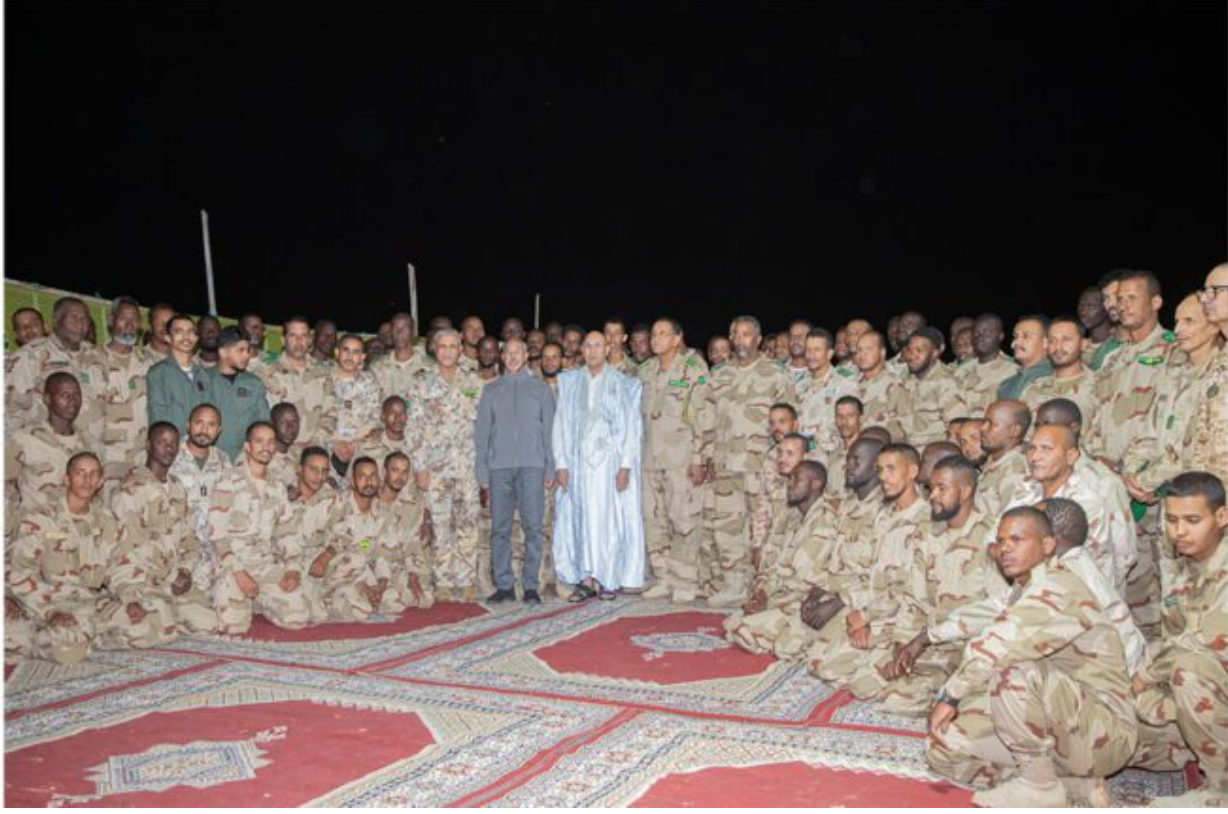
{"x": 598, "y": 525}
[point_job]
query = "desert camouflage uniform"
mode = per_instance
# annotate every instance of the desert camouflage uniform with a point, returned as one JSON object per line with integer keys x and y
{"x": 125, "y": 410}
{"x": 76, "y": 564}
{"x": 245, "y": 517}
{"x": 395, "y": 378}
{"x": 1207, "y": 435}
{"x": 742, "y": 398}
{"x": 27, "y": 369}
{"x": 924, "y": 405}
{"x": 1185, "y": 707}
{"x": 834, "y": 461}
{"x": 980, "y": 381}
{"x": 36, "y": 462}
{"x": 878, "y": 397}
{"x": 678, "y": 430}
{"x": 1126, "y": 386}
{"x": 880, "y": 567}
{"x": 198, "y": 482}
{"x": 153, "y": 520}
{"x": 816, "y": 412}
{"x": 1046, "y": 681}
{"x": 440, "y": 435}
{"x": 805, "y": 553}
{"x": 284, "y": 467}
{"x": 999, "y": 481}
{"x": 403, "y": 551}
{"x": 378, "y": 446}
{"x": 311, "y": 395}
{"x": 951, "y": 569}
{"x": 1080, "y": 389}
{"x": 308, "y": 523}
{"x": 359, "y": 561}
{"x": 356, "y": 403}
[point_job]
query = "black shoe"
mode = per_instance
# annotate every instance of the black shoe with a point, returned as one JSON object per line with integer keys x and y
{"x": 531, "y": 597}
{"x": 501, "y": 595}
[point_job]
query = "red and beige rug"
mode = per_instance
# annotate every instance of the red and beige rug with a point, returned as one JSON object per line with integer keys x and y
{"x": 628, "y": 703}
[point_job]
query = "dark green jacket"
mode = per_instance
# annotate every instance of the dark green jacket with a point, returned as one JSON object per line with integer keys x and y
{"x": 242, "y": 401}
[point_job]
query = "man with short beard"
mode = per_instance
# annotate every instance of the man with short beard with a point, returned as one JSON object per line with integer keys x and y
{"x": 1097, "y": 326}
{"x": 981, "y": 377}
{"x": 789, "y": 451}
{"x": 324, "y": 342}
{"x": 283, "y": 469}
{"x": 260, "y": 566}
{"x": 395, "y": 371}
{"x": 795, "y": 339}
{"x": 1207, "y": 436}
{"x": 552, "y": 365}
{"x": 743, "y": 392}
{"x": 955, "y": 569}
{"x": 354, "y": 571}
{"x": 488, "y": 358}
{"x": 238, "y": 395}
{"x": 126, "y": 405}
{"x": 876, "y": 592}
{"x": 848, "y": 425}
{"x": 908, "y": 324}
{"x": 534, "y": 341}
{"x": 641, "y": 343}
{"x": 968, "y": 437}
{"x": 573, "y": 336}
{"x": 200, "y": 465}
{"x": 408, "y": 533}
{"x": 312, "y": 498}
{"x": 929, "y": 396}
{"x": 294, "y": 378}
{"x": 1070, "y": 379}
{"x": 855, "y": 329}
{"x": 615, "y": 331}
{"x": 1108, "y": 286}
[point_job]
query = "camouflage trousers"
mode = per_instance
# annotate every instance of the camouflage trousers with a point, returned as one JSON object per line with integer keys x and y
{"x": 104, "y": 624}
{"x": 343, "y": 590}
{"x": 485, "y": 567}
{"x": 398, "y": 597}
{"x": 734, "y": 499}
{"x": 288, "y": 609}
{"x": 1142, "y": 593}
{"x": 779, "y": 631}
{"x": 1034, "y": 714}
{"x": 455, "y": 510}
{"x": 673, "y": 526}
{"x": 913, "y": 694}
{"x": 1186, "y": 716}
{"x": 833, "y": 657}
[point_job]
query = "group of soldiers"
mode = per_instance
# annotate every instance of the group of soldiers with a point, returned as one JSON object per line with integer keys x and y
{"x": 1024, "y": 547}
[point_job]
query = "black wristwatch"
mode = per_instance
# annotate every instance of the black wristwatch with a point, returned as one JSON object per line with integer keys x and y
{"x": 944, "y": 697}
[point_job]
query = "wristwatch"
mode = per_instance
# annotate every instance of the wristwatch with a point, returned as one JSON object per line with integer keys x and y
{"x": 943, "y": 697}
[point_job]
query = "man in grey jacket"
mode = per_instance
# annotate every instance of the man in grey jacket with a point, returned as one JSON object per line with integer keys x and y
{"x": 515, "y": 466}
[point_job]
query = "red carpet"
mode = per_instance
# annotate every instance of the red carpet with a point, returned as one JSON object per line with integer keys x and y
{"x": 629, "y": 703}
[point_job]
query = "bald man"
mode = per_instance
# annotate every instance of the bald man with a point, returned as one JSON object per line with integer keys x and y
{"x": 1207, "y": 436}
{"x": 1003, "y": 433}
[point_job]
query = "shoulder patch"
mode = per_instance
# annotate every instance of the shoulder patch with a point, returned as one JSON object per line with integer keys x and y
{"x": 848, "y": 374}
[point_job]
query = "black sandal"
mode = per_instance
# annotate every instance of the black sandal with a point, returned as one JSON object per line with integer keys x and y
{"x": 606, "y": 595}
{"x": 582, "y": 593}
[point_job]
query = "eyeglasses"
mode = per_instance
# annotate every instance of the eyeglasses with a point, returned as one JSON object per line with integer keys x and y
{"x": 1212, "y": 291}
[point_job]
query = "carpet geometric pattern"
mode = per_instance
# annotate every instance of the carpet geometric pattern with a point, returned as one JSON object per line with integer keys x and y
{"x": 626, "y": 703}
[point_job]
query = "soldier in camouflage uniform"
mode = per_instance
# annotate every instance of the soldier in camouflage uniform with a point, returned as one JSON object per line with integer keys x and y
{"x": 288, "y": 450}
{"x": 615, "y": 331}
{"x": 678, "y": 430}
{"x": 295, "y": 378}
{"x": 1003, "y": 433}
{"x": 65, "y": 351}
{"x": 312, "y": 499}
{"x": 260, "y": 567}
{"x": 980, "y": 379}
{"x": 773, "y": 507}
{"x": 395, "y": 372}
{"x": 351, "y": 571}
{"x": 818, "y": 392}
{"x": 770, "y": 621}
{"x": 75, "y": 583}
{"x": 877, "y": 384}
{"x": 930, "y": 396}
{"x": 37, "y": 455}
{"x": 951, "y": 568}
{"x": 152, "y": 509}
{"x": 443, "y": 403}
{"x": 848, "y": 426}
{"x": 198, "y": 468}
{"x": 125, "y": 393}
{"x": 1071, "y": 379}
{"x": 1180, "y": 694}
{"x": 1207, "y": 436}
{"x": 1041, "y": 702}
{"x": 355, "y": 398}
{"x": 406, "y": 540}
{"x": 875, "y": 590}
{"x": 743, "y": 391}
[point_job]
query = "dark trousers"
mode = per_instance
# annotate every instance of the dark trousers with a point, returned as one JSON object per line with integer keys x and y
{"x": 513, "y": 490}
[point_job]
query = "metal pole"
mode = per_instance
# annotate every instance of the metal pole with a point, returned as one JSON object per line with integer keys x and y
{"x": 204, "y": 230}
{"x": 537, "y": 311}
{"x": 413, "y": 296}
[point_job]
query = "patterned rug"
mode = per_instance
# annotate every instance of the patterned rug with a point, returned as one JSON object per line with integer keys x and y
{"x": 628, "y": 703}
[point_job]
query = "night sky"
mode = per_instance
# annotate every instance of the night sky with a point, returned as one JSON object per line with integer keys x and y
{"x": 698, "y": 159}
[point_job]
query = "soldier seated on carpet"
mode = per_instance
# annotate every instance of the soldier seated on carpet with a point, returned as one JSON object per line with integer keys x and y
{"x": 1040, "y": 708}
{"x": 404, "y": 545}
{"x": 353, "y": 570}
{"x": 72, "y": 583}
{"x": 152, "y": 510}
{"x": 1180, "y": 693}
{"x": 259, "y": 562}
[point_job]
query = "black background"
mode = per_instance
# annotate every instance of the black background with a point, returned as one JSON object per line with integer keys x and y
{"x": 701, "y": 159}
